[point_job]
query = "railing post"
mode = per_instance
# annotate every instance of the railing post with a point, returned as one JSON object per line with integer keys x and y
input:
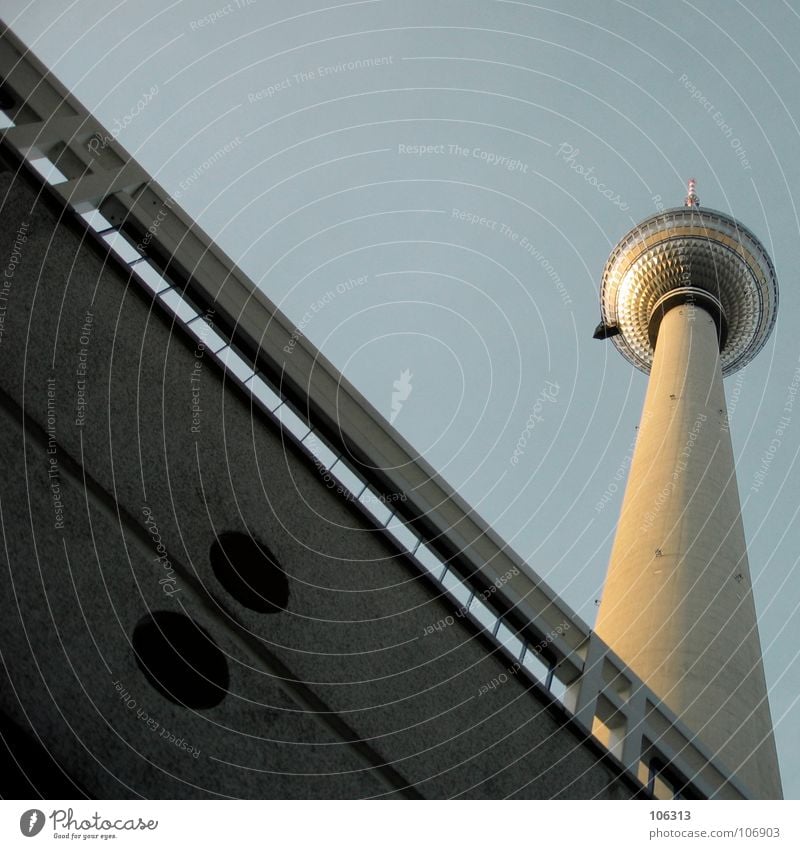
{"x": 634, "y": 728}
{"x": 590, "y": 683}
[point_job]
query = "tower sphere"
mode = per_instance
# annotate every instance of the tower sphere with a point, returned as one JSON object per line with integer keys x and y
{"x": 690, "y": 255}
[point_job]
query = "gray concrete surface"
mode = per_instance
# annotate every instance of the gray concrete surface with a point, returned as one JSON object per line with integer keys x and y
{"x": 341, "y": 695}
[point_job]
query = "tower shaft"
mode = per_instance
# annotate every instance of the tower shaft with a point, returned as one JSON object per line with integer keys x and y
{"x": 677, "y": 605}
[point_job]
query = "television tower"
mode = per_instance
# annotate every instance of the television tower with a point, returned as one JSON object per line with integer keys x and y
{"x": 689, "y": 296}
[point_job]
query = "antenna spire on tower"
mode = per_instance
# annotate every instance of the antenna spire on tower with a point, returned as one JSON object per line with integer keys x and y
{"x": 692, "y": 199}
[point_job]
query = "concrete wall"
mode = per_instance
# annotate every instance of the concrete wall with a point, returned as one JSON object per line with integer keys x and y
{"x": 339, "y": 695}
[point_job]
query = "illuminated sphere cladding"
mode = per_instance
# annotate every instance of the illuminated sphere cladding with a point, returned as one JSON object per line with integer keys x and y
{"x": 694, "y": 255}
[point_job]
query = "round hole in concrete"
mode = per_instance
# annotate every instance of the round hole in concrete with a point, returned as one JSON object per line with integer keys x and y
{"x": 180, "y": 660}
{"x": 249, "y": 572}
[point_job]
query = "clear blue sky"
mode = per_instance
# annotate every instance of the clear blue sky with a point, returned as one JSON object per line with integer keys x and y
{"x": 362, "y": 131}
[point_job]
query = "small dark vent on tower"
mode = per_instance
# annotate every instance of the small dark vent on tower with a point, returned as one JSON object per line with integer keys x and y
{"x": 605, "y": 331}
